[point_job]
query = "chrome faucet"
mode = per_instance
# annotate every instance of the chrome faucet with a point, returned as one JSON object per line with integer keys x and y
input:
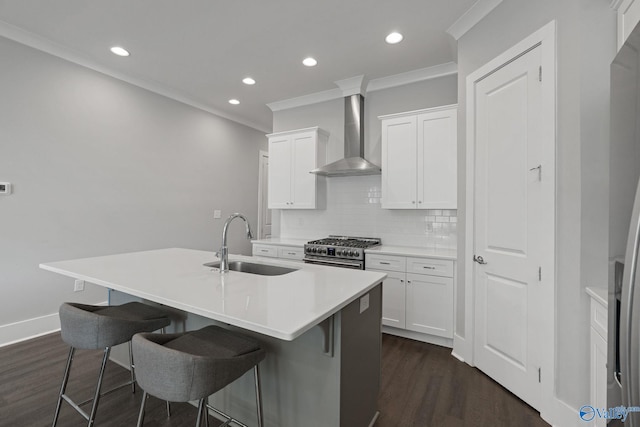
{"x": 223, "y": 253}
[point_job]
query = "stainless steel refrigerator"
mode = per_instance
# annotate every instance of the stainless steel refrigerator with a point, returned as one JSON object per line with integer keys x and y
{"x": 623, "y": 358}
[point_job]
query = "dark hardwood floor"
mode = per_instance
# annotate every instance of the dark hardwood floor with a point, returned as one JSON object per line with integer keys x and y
{"x": 422, "y": 386}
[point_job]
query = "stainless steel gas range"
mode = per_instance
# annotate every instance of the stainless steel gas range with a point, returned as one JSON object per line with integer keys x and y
{"x": 339, "y": 251}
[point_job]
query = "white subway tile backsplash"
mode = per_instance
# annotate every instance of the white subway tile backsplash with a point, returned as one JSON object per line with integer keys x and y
{"x": 353, "y": 208}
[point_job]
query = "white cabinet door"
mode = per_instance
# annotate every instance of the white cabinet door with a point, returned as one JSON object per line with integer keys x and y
{"x": 399, "y": 163}
{"x": 393, "y": 300}
{"x": 598, "y": 398}
{"x": 419, "y": 159}
{"x": 292, "y": 156}
{"x": 304, "y": 160}
{"x": 429, "y": 304}
{"x": 437, "y": 160}
{"x": 279, "y": 172}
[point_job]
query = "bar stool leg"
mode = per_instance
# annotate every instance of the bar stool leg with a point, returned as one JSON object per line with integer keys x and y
{"x": 63, "y": 388}
{"x": 256, "y": 372}
{"x": 200, "y": 411}
{"x": 141, "y": 414}
{"x": 96, "y": 398}
{"x": 132, "y": 368}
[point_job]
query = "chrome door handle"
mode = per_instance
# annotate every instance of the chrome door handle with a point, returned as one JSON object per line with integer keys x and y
{"x": 479, "y": 259}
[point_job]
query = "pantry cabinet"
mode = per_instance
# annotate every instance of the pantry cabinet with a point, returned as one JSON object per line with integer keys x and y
{"x": 419, "y": 159}
{"x": 292, "y": 155}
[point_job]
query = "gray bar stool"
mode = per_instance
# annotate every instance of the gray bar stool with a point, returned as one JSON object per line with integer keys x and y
{"x": 94, "y": 327}
{"x": 194, "y": 365}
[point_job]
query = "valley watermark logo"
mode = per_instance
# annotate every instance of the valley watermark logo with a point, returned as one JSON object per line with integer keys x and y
{"x": 588, "y": 412}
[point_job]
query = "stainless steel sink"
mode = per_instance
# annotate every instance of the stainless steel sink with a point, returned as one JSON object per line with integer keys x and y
{"x": 253, "y": 268}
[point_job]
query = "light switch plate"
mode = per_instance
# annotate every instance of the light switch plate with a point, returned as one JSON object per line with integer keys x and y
{"x": 5, "y": 188}
{"x": 217, "y": 214}
{"x": 364, "y": 303}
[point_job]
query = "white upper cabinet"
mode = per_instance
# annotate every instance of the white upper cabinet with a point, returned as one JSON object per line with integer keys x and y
{"x": 292, "y": 155}
{"x": 419, "y": 159}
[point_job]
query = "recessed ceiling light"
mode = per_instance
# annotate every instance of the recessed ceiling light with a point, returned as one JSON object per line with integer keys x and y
{"x": 310, "y": 62}
{"x": 248, "y": 81}
{"x": 394, "y": 38}
{"x": 120, "y": 51}
{"x": 234, "y": 101}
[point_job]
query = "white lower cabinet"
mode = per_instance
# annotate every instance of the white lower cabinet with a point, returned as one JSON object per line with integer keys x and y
{"x": 394, "y": 300}
{"x": 417, "y": 296}
{"x": 430, "y": 305}
{"x": 294, "y": 253}
{"x": 598, "y": 358}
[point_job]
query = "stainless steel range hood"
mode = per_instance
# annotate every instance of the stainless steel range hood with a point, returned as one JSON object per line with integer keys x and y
{"x": 354, "y": 162}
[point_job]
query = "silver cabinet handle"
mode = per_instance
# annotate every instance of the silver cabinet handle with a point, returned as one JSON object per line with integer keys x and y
{"x": 385, "y": 263}
{"x": 428, "y": 268}
{"x": 479, "y": 259}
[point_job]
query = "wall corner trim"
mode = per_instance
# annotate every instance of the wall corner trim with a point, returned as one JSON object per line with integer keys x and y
{"x": 471, "y": 17}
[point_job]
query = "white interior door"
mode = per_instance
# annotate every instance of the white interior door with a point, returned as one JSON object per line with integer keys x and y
{"x": 507, "y": 229}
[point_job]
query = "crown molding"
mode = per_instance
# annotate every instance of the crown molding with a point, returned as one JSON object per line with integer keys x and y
{"x": 301, "y": 101}
{"x": 615, "y": 4}
{"x": 471, "y": 17}
{"x": 447, "y": 69}
{"x": 357, "y": 84}
{"x": 352, "y": 86}
{"x": 37, "y": 42}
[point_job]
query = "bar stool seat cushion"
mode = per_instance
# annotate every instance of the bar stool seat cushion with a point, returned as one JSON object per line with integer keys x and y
{"x": 192, "y": 365}
{"x": 96, "y": 327}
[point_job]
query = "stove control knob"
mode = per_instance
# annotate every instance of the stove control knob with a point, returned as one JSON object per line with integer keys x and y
{"x": 314, "y": 250}
{"x": 356, "y": 253}
{"x": 351, "y": 253}
{"x": 338, "y": 252}
{"x": 324, "y": 251}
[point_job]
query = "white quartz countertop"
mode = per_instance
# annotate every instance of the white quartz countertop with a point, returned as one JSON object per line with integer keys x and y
{"x": 283, "y": 306}
{"x": 281, "y": 241}
{"x": 414, "y": 252}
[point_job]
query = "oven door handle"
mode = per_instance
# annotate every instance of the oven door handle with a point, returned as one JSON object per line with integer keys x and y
{"x": 333, "y": 263}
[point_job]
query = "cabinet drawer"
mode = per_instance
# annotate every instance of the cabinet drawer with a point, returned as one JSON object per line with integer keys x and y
{"x": 431, "y": 266}
{"x": 385, "y": 262}
{"x": 262, "y": 250}
{"x": 599, "y": 319}
{"x": 291, "y": 252}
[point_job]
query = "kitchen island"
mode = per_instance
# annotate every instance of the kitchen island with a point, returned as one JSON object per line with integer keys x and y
{"x": 319, "y": 325}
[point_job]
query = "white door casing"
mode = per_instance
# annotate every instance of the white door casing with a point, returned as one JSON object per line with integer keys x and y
{"x": 264, "y": 213}
{"x": 510, "y": 220}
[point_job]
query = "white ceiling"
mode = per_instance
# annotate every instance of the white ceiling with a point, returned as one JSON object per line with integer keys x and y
{"x": 199, "y": 50}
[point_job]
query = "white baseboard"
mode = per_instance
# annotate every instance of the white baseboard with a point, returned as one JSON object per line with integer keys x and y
{"x": 23, "y": 330}
{"x": 563, "y": 415}
{"x": 431, "y": 339}
{"x": 27, "y": 329}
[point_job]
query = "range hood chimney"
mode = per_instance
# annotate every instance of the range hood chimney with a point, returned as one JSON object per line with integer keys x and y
{"x": 354, "y": 162}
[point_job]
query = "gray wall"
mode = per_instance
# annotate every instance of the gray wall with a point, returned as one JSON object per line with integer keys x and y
{"x": 585, "y": 49}
{"x": 100, "y": 167}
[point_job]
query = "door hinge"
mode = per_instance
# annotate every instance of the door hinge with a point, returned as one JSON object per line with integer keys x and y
{"x": 539, "y": 274}
{"x": 540, "y": 73}
{"x": 539, "y": 375}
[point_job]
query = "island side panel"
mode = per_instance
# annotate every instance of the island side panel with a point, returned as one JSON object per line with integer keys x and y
{"x": 300, "y": 384}
{"x": 361, "y": 352}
